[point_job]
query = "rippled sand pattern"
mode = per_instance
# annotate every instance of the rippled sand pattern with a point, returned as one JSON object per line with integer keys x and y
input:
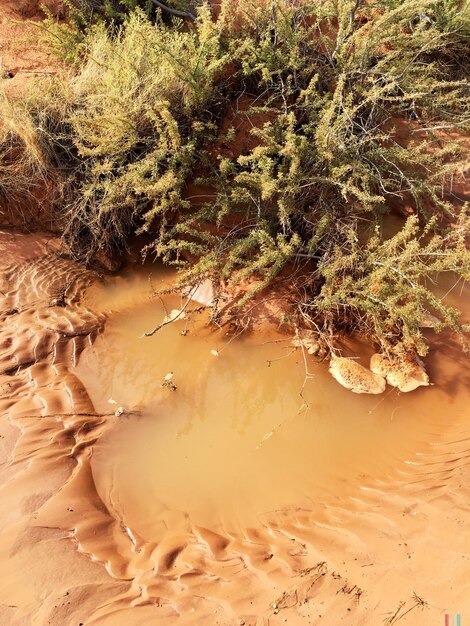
{"x": 392, "y": 547}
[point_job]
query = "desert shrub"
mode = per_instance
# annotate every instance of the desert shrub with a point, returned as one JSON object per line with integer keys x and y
{"x": 66, "y": 37}
{"x": 130, "y": 113}
{"x": 337, "y": 81}
{"x": 336, "y": 89}
{"x": 381, "y": 288}
{"x": 35, "y": 148}
{"x": 356, "y": 108}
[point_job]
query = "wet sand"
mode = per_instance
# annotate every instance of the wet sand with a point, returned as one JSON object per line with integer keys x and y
{"x": 232, "y": 500}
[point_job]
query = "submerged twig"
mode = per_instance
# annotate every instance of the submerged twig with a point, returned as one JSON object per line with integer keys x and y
{"x": 173, "y": 319}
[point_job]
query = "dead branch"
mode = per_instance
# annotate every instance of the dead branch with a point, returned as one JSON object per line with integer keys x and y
{"x": 176, "y": 12}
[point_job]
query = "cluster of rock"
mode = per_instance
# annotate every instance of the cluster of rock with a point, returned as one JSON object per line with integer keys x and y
{"x": 404, "y": 375}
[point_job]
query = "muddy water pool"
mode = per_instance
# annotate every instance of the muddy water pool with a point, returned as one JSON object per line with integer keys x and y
{"x": 249, "y": 430}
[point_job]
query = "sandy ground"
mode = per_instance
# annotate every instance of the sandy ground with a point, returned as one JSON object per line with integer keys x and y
{"x": 398, "y": 554}
{"x": 21, "y": 54}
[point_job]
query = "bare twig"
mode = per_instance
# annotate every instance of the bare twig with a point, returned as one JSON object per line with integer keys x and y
{"x": 176, "y": 12}
{"x": 173, "y": 319}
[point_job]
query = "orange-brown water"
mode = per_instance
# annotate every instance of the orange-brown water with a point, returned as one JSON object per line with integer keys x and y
{"x": 233, "y": 499}
{"x": 244, "y": 434}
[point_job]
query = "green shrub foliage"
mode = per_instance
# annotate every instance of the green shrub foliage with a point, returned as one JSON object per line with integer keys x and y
{"x": 350, "y": 110}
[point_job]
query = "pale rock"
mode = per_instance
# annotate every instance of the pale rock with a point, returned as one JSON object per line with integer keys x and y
{"x": 309, "y": 342}
{"x": 355, "y": 377}
{"x": 406, "y": 376}
{"x": 202, "y": 293}
{"x": 174, "y": 315}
